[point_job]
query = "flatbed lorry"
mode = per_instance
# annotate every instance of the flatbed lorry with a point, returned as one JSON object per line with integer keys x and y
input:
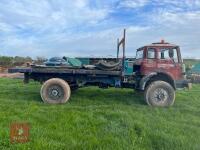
{"x": 157, "y": 72}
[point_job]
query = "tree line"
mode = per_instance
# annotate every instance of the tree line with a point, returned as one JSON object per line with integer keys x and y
{"x": 7, "y": 61}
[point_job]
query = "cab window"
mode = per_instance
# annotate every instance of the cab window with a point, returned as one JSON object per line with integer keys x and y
{"x": 139, "y": 54}
{"x": 151, "y": 54}
{"x": 164, "y": 54}
{"x": 169, "y": 54}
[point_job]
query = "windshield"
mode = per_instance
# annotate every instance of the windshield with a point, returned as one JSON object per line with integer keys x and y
{"x": 139, "y": 54}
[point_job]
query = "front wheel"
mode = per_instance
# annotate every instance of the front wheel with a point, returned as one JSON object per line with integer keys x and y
{"x": 159, "y": 93}
{"x": 55, "y": 91}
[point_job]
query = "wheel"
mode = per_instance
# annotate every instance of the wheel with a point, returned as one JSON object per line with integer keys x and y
{"x": 55, "y": 91}
{"x": 159, "y": 93}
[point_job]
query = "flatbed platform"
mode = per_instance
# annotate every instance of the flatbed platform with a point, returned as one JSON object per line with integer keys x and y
{"x": 63, "y": 70}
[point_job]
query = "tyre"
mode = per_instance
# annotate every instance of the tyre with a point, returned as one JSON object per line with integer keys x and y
{"x": 55, "y": 91}
{"x": 159, "y": 93}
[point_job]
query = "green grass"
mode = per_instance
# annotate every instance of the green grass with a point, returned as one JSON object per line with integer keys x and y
{"x": 99, "y": 119}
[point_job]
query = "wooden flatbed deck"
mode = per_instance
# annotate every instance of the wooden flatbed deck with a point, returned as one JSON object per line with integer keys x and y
{"x": 63, "y": 70}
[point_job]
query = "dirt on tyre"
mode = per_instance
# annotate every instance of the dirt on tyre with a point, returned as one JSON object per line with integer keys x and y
{"x": 55, "y": 91}
{"x": 159, "y": 94}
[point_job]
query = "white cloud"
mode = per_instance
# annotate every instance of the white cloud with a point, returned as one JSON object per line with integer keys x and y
{"x": 5, "y": 27}
{"x": 176, "y": 19}
{"x": 75, "y": 28}
{"x": 177, "y": 5}
{"x": 41, "y": 15}
{"x": 133, "y": 3}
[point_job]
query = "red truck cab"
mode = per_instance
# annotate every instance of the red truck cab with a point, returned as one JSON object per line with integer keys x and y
{"x": 161, "y": 64}
{"x": 161, "y": 57}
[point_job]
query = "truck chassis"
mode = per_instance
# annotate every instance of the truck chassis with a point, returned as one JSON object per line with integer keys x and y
{"x": 157, "y": 72}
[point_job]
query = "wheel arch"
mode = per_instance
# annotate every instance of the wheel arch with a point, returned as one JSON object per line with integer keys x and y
{"x": 155, "y": 76}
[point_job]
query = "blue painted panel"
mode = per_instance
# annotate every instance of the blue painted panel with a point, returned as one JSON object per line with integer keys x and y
{"x": 128, "y": 70}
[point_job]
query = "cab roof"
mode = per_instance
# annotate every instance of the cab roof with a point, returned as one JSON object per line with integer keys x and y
{"x": 160, "y": 44}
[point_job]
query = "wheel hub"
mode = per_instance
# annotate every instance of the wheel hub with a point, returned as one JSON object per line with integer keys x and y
{"x": 160, "y": 95}
{"x": 54, "y": 92}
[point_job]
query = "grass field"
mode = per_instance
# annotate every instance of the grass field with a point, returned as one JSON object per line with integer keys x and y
{"x": 99, "y": 119}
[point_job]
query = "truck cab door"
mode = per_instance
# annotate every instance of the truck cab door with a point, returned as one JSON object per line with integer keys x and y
{"x": 168, "y": 61}
{"x": 176, "y": 57}
{"x": 150, "y": 59}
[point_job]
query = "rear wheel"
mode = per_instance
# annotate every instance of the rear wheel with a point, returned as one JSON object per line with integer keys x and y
{"x": 159, "y": 93}
{"x": 55, "y": 91}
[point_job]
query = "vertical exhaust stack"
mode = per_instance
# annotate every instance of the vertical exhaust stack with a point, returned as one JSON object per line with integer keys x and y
{"x": 122, "y": 43}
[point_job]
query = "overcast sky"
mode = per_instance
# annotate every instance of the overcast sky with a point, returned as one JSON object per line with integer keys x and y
{"x": 90, "y": 27}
